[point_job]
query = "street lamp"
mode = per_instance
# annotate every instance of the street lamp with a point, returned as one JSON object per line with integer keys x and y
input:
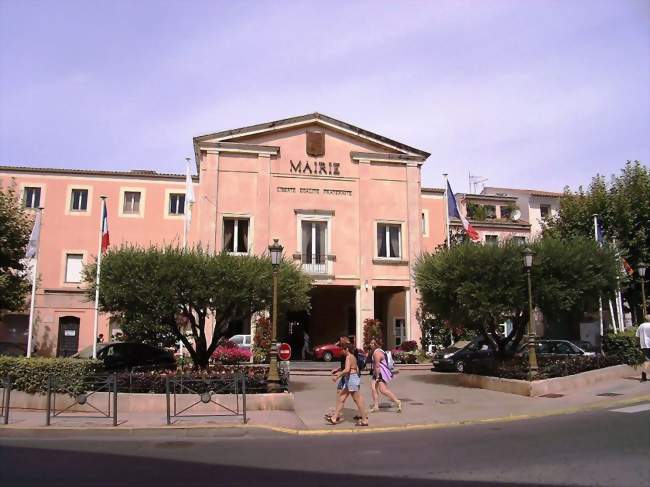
{"x": 640, "y": 268}
{"x": 532, "y": 355}
{"x": 273, "y": 379}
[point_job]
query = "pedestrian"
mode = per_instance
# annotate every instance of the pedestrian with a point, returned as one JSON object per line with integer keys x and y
{"x": 643, "y": 332}
{"x": 100, "y": 338}
{"x": 351, "y": 377}
{"x": 381, "y": 376}
{"x": 306, "y": 349}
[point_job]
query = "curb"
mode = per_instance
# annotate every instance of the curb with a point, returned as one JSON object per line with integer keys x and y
{"x": 241, "y": 430}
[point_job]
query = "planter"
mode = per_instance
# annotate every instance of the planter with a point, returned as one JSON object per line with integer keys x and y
{"x": 154, "y": 403}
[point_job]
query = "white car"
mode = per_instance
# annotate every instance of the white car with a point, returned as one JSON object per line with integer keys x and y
{"x": 242, "y": 341}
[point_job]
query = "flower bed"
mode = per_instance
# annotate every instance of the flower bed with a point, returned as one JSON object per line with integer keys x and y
{"x": 548, "y": 367}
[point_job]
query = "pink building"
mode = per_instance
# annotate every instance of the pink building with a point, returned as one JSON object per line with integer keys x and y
{"x": 345, "y": 203}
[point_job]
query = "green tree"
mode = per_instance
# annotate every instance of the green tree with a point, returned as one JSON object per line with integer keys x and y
{"x": 623, "y": 207}
{"x": 479, "y": 287}
{"x": 167, "y": 290}
{"x": 15, "y": 228}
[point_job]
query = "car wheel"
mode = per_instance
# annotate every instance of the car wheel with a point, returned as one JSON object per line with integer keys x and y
{"x": 327, "y": 356}
{"x": 460, "y": 366}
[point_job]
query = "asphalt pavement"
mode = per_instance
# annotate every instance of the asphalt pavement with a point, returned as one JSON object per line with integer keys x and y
{"x": 603, "y": 447}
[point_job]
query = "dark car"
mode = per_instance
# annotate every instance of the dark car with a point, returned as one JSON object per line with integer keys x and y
{"x": 13, "y": 349}
{"x": 457, "y": 356}
{"x": 131, "y": 356}
{"x": 556, "y": 347}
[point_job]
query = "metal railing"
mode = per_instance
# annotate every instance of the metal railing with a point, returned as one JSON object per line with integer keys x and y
{"x": 205, "y": 390}
{"x": 90, "y": 385}
{"x": 5, "y": 383}
{"x": 314, "y": 263}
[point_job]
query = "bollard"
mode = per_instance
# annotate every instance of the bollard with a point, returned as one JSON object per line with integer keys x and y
{"x": 243, "y": 395}
{"x": 169, "y": 420}
{"x": 49, "y": 400}
{"x": 6, "y": 398}
{"x": 114, "y": 399}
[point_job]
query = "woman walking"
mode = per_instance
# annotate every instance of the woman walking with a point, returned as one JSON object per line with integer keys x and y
{"x": 381, "y": 375}
{"x": 351, "y": 385}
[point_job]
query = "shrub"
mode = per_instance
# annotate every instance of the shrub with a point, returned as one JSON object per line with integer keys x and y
{"x": 409, "y": 346}
{"x": 548, "y": 366}
{"x": 405, "y": 358}
{"x": 31, "y": 374}
{"x": 262, "y": 340}
{"x": 624, "y": 347}
{"x": 372, "y": 330}
{"x": 230, "y": 356}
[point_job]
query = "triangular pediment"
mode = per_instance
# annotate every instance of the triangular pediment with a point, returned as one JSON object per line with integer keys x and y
{"x": 252, "y": 132}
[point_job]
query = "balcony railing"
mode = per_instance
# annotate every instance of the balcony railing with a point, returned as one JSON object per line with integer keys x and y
{"x": 314, "y": 263}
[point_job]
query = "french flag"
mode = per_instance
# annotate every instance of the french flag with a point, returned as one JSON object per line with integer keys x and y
{"x": 453, "y": 212}
{"x": 105, "y": 236}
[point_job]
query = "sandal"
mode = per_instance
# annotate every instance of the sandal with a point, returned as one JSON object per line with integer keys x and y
{"x": 361, "y": 423}
{"x": 374, "y": 409}
{"x": 399, "y": 406}
{"x": 357, "y": 417}
{"x": 330, "y": 420}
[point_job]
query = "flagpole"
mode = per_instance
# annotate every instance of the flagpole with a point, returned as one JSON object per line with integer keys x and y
{"x": 99, "y": 267}
{"x": 600, "y": 298}
{"x": 32, "y": 304}
{"x": 444, "y": 174}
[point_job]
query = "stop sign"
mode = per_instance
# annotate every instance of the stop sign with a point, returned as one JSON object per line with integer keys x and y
{"x": 284, "y": 351}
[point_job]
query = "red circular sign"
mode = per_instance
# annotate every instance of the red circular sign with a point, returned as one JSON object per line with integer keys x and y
{"x": 284, "y": 351}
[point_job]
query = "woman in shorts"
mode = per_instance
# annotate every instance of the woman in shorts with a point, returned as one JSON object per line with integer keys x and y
{"x": 351, "y": 383}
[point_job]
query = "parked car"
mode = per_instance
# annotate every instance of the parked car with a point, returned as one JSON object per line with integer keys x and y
{"x": 243, "y": 341}
{"x": 461, "y": 353}
{"x": 556, "y": 347}
{"x": 328, "y": 352}
{"x": 130, "y": 356}
{"x": 13, "y": 349}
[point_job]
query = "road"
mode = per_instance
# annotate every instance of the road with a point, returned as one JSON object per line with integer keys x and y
{"x": 593, "y": 448}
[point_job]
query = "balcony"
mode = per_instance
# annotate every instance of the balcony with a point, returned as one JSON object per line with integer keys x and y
{"x": 314, "y": 263}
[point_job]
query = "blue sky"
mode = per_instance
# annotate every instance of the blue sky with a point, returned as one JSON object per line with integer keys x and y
{"x": 538, "y": 94}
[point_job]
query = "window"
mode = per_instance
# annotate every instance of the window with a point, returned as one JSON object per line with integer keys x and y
{"x": 545, "y": 210}
{"x": 314, "y": 246}
{"x": 177, "y": 204}
{"x": 400, "y": 331}
{"x": 79, "y": 200}
{"x": 32, "y": 198}
{"x": 235, "y": 235}
{"x": 519, "y": 240}
{"x": 492, "y": 239}
{"x": 131, "y": 203}
{"x": 490, "y": 211}
{"x": 506, "y": 211}
{"x": 389, "y": 240}
{"x": 73, "y": 267}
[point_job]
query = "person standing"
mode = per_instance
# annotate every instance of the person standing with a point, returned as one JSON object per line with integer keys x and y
{"x": 381, "y": 376}
{"x": 351, "y": 387}
{"x": 306, "y": 349}
{"x": 643, "y": 333}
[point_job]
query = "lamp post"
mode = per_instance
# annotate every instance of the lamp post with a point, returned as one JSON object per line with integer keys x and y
{"x": 273, "y": 379}
{"x": 532, "y": 355}
{"x": 640, "y": 268}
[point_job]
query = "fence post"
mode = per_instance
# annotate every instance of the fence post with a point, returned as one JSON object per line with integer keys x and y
{"x": 243, "y": 395}
{"x": 168, "y": 405}
{"x": 6, "y": 396}
{"x": 114, "y": 399}
{"x": 49, "y": 400}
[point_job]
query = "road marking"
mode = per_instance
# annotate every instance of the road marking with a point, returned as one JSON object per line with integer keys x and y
{"x": 633, "y": 409}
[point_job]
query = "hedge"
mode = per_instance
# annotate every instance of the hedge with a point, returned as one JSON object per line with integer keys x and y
{"x": 72, "y": 376}
{"x": 624, "y": 347}
{"x": 31, "y": 374}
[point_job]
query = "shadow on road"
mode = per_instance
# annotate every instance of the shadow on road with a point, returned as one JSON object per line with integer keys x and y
{"x": 54, "y": 468}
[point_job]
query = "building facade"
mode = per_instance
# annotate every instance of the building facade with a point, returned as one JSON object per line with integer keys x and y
{"x": 346, "y": 204}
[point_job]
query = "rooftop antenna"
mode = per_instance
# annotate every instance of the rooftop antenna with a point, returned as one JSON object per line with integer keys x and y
{"x": 474, "y": 181}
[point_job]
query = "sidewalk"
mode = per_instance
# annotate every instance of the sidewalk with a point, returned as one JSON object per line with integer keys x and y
{"x": 426, "y": 404}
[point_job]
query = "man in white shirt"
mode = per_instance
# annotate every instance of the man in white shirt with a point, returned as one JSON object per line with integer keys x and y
{"x": 643, "y": 332}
